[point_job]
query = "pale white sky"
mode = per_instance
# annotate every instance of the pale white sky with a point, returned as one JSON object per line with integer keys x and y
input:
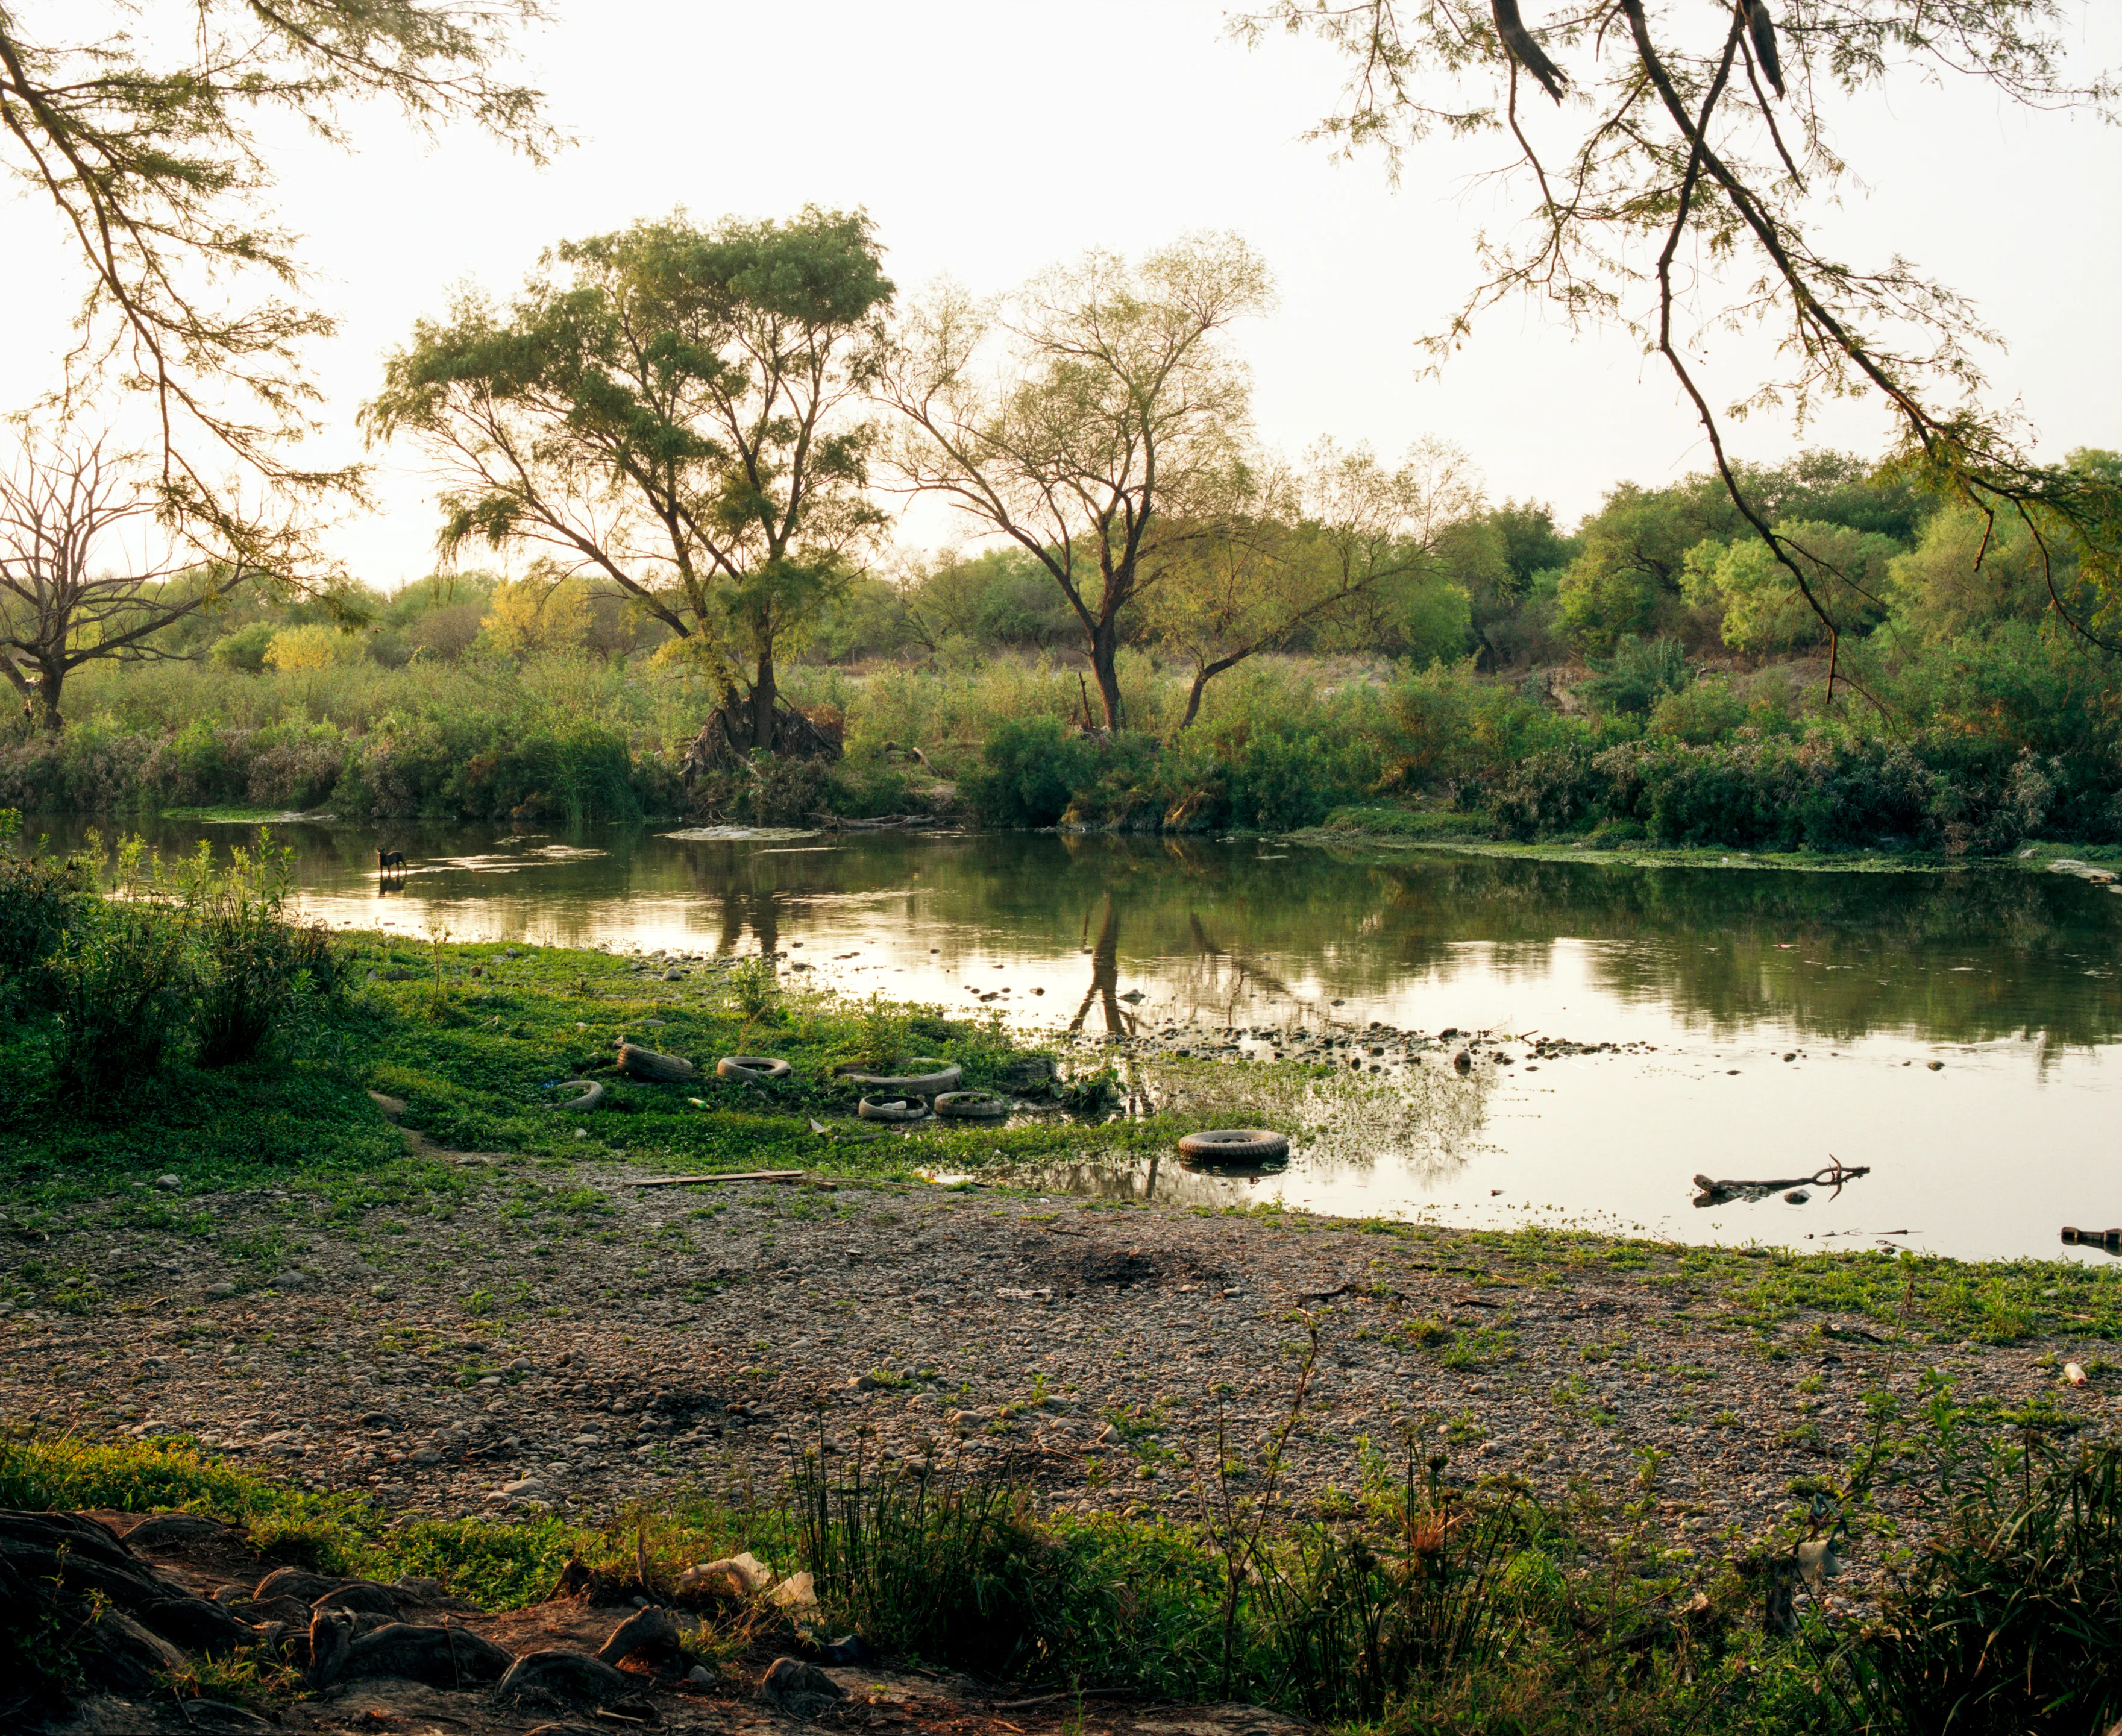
{"x": 989, "y": 138}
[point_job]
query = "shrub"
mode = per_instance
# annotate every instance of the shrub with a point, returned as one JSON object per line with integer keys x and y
{"x": 40, "y": 898}
{"x": 121, "y": 981}
{"x": 1555, "y": 791}
{"x": 253, "y": 970}
{"x": 1030, "y": 770}
{"x": 1636, "y": 677}
{"x": 1704, "y": 711}
{"x": 2009, "y": 1618}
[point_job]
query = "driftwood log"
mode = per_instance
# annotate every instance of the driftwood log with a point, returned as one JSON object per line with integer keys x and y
{"x": 1711, "y": 1192}
{"x": 659, "y": 1070}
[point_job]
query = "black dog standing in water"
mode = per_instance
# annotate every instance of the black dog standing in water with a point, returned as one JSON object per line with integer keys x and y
{"x": 387, "y": 860}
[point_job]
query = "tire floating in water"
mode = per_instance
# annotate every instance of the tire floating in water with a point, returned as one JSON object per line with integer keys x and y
{"x": 751, "y": 1069}
{"x": 1235, "y": 1145}
{"x": 972, "y": 1106}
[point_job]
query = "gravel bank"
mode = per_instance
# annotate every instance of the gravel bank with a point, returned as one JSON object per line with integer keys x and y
{"x": 567, "y": 1338}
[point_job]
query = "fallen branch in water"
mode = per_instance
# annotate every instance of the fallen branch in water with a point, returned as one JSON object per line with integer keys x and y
{"x": 1717, "y": 1193}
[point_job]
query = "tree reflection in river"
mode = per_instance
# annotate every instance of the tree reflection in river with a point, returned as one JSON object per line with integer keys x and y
{"x": 1241, "y": 931}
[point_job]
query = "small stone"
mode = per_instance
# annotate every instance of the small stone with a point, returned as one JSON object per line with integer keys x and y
{"x": 1145, "y": 1472}
{"x": 1798, "y": 1196}
{"x": 1935, "y": 1066}
{"x": 425, "y": 1456}
{"x": 171, "y": 1182}
{"x": 798, "y": 1687}
{"x": 698, "y": 1676}
{"x": 225, "y": 1288}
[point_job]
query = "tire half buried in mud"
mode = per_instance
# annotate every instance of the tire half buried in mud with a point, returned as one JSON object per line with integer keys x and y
{"x": 939, "y": 1076}
{"x": 1235, "y": 1147}
{"x": 752, "y": 1069}
{"x": 972, "y": 1106}
{"x": 883, "y": 1108}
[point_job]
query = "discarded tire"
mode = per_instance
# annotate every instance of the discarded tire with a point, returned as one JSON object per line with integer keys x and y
{"x": 940, "y": 1076}
{"x": 892, "y": 1109}
{"x": 591, "y": 1097}
{"x": 646, "y": 1064}
{"x": 972, "y": 1106}
{"x": 751, "y": 1069}
{"x": 1237, "y": 1145}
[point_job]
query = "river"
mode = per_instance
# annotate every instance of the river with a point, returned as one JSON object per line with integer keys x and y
{"x": 1715, "y": 973}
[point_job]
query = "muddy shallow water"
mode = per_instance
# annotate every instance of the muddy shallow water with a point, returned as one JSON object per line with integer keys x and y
{"x": 1763, "y": 1020}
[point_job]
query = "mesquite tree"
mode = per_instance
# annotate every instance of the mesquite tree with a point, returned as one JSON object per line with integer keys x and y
{"x": 1091, "y": 418}
{"x": 670, "y": 410}
{"x": 1678, "y": 183}
{"x": 1335, "y": 541}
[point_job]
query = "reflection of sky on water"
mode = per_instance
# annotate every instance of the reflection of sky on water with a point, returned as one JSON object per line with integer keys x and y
{"x": 2008, "y": 978}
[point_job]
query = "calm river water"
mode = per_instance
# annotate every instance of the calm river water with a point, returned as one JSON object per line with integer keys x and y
{"x": 2009, "y": 979}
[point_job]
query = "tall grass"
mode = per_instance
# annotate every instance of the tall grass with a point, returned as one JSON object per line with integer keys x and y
{"x": 1967, "y": 747}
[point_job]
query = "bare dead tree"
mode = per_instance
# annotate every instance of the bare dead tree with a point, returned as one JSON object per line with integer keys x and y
{"x": 1679, "y": 190}
{"x": 89, "y": 572}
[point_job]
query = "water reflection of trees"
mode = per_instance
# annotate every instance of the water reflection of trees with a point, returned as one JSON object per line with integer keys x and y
{"x": 1228, "y": 928}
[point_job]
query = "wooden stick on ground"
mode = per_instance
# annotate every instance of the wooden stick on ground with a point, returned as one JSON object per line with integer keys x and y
{"x": 742, "y": 1175}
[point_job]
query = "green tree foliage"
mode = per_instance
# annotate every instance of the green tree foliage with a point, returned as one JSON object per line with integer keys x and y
{"x": 1627, "y": 580}
{"x": 670, "y": 410}
{"x": 1762, "y": 611}
{"x": 1001, "y": 597}
{"x": 1091, "y": 420}
{"x": 1682, "y": 187}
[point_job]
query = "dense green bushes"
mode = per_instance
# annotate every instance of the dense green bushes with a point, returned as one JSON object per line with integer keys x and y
{"x": 183, "y": 957}
{"x": 1255, "y": 768}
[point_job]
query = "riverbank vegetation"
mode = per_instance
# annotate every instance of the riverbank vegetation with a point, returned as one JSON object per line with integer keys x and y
{"x": 1632, "y": 682}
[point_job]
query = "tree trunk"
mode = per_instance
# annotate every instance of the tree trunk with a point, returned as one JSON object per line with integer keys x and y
{"x": 1194, "y": 698}
{"x": 762, "y": 702}
{"x": 48, "y": 682}
{"x": 1104, "y": 651}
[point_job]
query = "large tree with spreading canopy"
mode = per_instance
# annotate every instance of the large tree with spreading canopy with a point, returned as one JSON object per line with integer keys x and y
{"x": 676, "y": 411}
